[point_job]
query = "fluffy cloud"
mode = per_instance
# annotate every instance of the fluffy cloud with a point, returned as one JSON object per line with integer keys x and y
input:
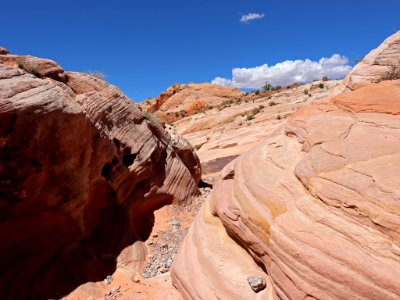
{"x": 287, "y": 72}
{"x": 251, "y": 17}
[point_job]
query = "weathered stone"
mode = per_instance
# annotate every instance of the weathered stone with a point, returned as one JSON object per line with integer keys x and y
{"x": 375, "y": 64}
{"x": 39, "y": 67}
{"x": 3, "y": 51}
{"x": 316, "y": 205}
{"x": 81, "y": 172}
{"x": 257, "y": 283}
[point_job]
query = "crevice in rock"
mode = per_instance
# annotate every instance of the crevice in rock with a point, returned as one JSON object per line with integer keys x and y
{"x": 128, "y": 159}
{"x": 106, "y": 170}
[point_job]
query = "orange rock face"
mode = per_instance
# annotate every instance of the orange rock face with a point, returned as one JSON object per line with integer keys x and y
{"x": 314, "y": 210}
{"x": 81, "y": 172}
{"x": 186, "y": 99}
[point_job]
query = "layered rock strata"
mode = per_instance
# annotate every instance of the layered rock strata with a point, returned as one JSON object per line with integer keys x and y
{"x": 384, "y": 59}
{"x": 314, "y": 210}
{"x": 81, "y": 172}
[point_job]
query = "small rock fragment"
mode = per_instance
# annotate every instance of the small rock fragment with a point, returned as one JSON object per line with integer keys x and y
{"x": 175, "y": 223}
{"x": 163, "y": 270}
{"x": 108, "y": 279}
{"x": 3, "y": 51}
{"x": 257, "y": 283}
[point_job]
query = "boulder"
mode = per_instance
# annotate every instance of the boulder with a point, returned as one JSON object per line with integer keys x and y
{"x": 314, "y": 209}
{"x": 3, "y": 51}
{"x": 81, "y": 172}
{"x": 39, "y": 67}
{"x": 378, "y": 62}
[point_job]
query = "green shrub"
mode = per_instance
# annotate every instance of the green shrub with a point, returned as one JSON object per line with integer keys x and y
{"x": 250, "y": 117}
{"x": 325, "y": 78}
{"x": 257, "y": 92}
{"x": 321, "y": 85}
{"x": 267, "y": 87}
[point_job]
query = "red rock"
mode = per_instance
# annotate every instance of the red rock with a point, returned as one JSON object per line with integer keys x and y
{"x": 39, "y": 67}
{"x": 3, "y": 51}
{"x": 314, "y": 209}
{"x": 187, "y": 99}
{"x": 81, "y": 172}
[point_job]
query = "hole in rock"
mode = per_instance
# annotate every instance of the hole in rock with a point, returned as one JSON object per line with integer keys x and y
{"x": 117, "y": 143}
{"x": 106, "y": 170}
{"x": 203, "y": 184}
{"x": 128, "y": 159}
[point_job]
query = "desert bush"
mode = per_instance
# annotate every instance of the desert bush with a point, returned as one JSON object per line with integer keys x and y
{"x": 392, "y": 74}
{"x": 267, "y": 87}
{"x": 306, "y": 92}
{"x": 250, "y": 117}
{"x": 255, "y": 110}
{"x": 321, "y": 85}
{"x": 272, "y": 103}
{"x": 325, "y": 78}
{"x": 97, "y": 74}
{"x": 154, "y": 120}
{"x": 276, "y": 88}
{"x": 183, "y": 113}
{"x": 257, "y": 92}
{"x": 261, "y": 106}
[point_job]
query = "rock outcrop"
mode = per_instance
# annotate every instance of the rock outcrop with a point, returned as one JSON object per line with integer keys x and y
{"x": 81, "y": 172}
{"x": 315, "y": 209}
{"x": 379, "y": 61}
{"x": 181, "y": 100}
{"x": 221, "y": 134}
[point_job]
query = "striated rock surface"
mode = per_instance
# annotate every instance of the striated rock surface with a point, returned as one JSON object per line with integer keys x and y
{"x": 314, "y": 209}
{"x": 221, "y": 134}
{"x": 81, "y": 172}
{"x": 376, "y": 63}
{"x": 181, "y": 100}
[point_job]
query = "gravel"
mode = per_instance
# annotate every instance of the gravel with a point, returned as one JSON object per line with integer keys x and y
{"x": 165, "y": 244}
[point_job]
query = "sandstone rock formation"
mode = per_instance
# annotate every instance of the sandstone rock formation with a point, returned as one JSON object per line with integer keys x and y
{"x": 181, "y": 100}
{"x": 376, "y": 63}
{"x": 81, "y": 172}
{"x": 221, "y": 134}
{"x": 315, "y": 209}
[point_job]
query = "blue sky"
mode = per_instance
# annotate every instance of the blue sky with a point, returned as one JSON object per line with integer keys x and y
{"x": 145, "y": 46}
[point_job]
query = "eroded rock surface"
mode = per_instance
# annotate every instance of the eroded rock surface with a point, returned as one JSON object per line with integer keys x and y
{"x": 81, "y": 172}
{"x": 376, "y": 63}
{"x": 315, "y": 209}
{"x": 223, "y": 133}
{"x": 181, "y": 100}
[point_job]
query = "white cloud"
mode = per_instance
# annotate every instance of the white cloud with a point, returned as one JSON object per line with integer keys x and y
{"x": 251, "y": 17}
{"x": 287, "y": 72}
